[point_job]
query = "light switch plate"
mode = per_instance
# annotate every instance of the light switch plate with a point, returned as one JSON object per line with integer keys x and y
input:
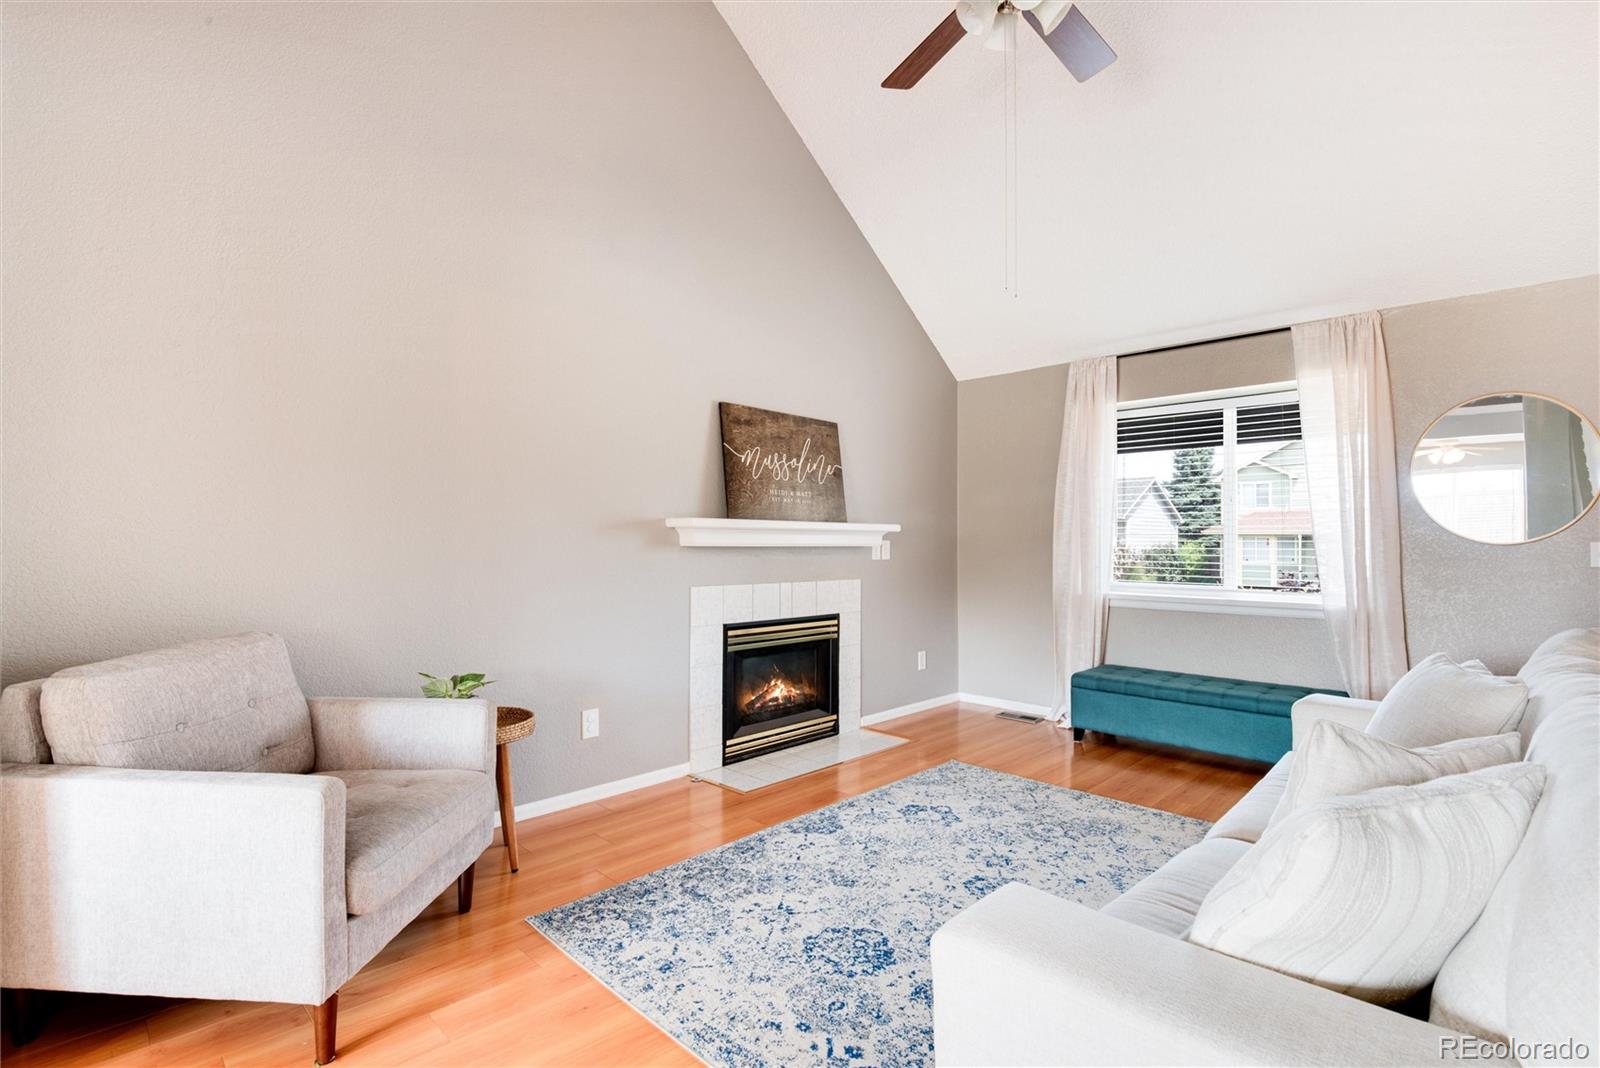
{"x": 1594, "y": 554}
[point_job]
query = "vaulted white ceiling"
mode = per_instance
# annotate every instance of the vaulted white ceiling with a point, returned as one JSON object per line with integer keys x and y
{"x": 1241, "y": 165}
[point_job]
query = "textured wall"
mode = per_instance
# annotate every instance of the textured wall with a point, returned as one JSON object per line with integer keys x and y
{"x": 1495, "y": 602}
{"x": 1462, "y": 598}
{"x": 398, "y": 329}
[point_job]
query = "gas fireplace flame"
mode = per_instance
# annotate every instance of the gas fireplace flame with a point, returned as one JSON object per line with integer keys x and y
{"x": 778, "y": 692}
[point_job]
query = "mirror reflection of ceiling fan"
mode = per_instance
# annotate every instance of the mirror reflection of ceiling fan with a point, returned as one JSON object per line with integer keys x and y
{"x": 1448, "y": 452}
{"x": 1061, "y": 25}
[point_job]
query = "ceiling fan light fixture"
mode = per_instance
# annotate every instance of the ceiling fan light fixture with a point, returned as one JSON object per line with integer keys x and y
{"x": 1002, "y": 35}
{"x": 977, "y": 18}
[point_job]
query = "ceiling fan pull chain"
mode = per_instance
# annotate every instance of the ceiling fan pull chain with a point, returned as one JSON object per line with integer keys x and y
{"x": 1016, "y": 157}
{"x": 1008, "y": 102}
{"x": 1013, "y": 62}
{"x": 1005, "y": 172}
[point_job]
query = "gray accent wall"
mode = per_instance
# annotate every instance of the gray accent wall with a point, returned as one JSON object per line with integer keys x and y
{"x": 1462, "y": 598}
{"x": 399, "y": 329}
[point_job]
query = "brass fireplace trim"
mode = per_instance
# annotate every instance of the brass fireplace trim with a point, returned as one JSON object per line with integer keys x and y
{"x": 772, "y": 635}
{"x": 735, "y": 746}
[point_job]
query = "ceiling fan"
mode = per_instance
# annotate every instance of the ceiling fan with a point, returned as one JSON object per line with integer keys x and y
{"x": 1062, "y": 26}
{"x": 1449, "y": 453}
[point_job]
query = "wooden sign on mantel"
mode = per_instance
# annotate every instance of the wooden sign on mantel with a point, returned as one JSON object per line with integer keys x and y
{"x": 780, "y": 466}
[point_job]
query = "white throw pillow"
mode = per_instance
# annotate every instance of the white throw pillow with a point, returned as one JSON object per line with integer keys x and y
{"x": 1440, "y": 701}
{"x": 1368, "y": 894}
{"x": 1337, "y": 760}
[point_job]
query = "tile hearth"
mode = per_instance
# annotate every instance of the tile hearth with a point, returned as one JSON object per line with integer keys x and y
{"x": 762, "y": 771}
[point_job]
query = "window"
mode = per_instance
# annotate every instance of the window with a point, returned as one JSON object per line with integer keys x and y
{"x": 1211, "y": 498}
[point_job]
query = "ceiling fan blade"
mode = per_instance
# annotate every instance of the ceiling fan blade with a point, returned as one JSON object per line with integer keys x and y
{"x": 925, "y": 55}
{"x": 1076, "y": 44}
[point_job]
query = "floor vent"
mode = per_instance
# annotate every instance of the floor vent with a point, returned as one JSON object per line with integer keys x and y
{"x": 1020, "y": 717}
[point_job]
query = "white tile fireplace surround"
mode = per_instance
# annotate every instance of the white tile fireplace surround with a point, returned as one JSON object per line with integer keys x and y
{"x": 712, "y": 606}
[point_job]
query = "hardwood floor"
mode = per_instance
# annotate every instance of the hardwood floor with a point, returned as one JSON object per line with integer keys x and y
{"x": 486, "y": 989}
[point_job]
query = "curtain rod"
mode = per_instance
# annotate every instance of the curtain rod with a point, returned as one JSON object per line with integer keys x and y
{"x": 1206, "y": 341}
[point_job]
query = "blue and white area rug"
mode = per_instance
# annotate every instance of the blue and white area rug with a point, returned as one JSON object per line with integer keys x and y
{"x": 807, "y": 943}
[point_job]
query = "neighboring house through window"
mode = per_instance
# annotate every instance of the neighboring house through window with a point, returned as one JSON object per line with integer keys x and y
{"x": 1211, "y": 495}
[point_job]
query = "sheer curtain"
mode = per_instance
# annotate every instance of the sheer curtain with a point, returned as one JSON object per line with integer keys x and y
{"x": 1085, "y": 477}
{"x": 1348, "y": 428}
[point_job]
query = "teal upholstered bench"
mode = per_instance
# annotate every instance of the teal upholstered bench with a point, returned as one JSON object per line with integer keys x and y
{"x": 1229, "y": 716}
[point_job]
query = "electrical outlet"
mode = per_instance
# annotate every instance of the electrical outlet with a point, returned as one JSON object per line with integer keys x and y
{"x": 591, "y": 723}
{"x": 922, "y": 660}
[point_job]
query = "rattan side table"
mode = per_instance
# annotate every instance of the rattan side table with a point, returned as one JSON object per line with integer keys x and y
{"x": 511, "y": 723}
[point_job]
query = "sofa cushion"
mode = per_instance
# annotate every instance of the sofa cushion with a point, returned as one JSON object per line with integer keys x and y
{"x": 1529, "y": 965}
{"x": 1368, "y": 894}
{"x": 399, "y": 823}
{"x": 1247, "y": 820}
{"x": 1440, "y": 701}
{"x": 22, "y": 738}
{"x": 1562, "y": 676}
{"x": 223, "y": 704}
{"x": 1166, "y": 900}
{"x": 1337, "y": 760}
{"x": 1263, "y": 698}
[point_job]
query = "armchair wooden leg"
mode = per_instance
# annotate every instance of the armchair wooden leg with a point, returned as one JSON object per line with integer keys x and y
{"x": 324, "y": 1024}
{"x": 464, "y": 888}
{"x": 1077, "y": 734}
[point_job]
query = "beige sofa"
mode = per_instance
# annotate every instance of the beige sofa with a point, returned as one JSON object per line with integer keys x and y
{"x": 1024, "y": 978}
{"x": 185, "y": 823}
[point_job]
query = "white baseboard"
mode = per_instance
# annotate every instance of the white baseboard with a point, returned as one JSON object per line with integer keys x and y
{"x": 906, "y": 710}
{"x": 1005, "y": 703}
{"x": 546, "y": 805}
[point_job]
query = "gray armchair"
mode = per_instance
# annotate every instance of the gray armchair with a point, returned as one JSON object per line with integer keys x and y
{"x": 184, "y": 823}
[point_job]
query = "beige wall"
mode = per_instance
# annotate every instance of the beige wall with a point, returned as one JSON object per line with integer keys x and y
{"x": 1009, "y": 430}
{"x": 398, "y": 329}
{"x": 1465, "y": 599}
{"x": 1236, "y": 363}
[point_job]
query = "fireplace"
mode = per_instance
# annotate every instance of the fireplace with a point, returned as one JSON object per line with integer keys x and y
{"x": 780, "y": 684}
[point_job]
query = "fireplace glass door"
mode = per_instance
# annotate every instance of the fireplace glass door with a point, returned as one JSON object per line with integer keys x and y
{"x": 779, "y": 685}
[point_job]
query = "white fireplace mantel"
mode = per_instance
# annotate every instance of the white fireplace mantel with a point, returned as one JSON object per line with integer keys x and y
{"x": 779, "y": 533}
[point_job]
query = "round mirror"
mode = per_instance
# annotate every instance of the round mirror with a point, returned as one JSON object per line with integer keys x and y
{"x": 1507, "y": 468}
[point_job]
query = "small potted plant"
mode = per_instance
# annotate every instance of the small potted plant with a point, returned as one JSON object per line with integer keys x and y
{"x": 456, "y": 686}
